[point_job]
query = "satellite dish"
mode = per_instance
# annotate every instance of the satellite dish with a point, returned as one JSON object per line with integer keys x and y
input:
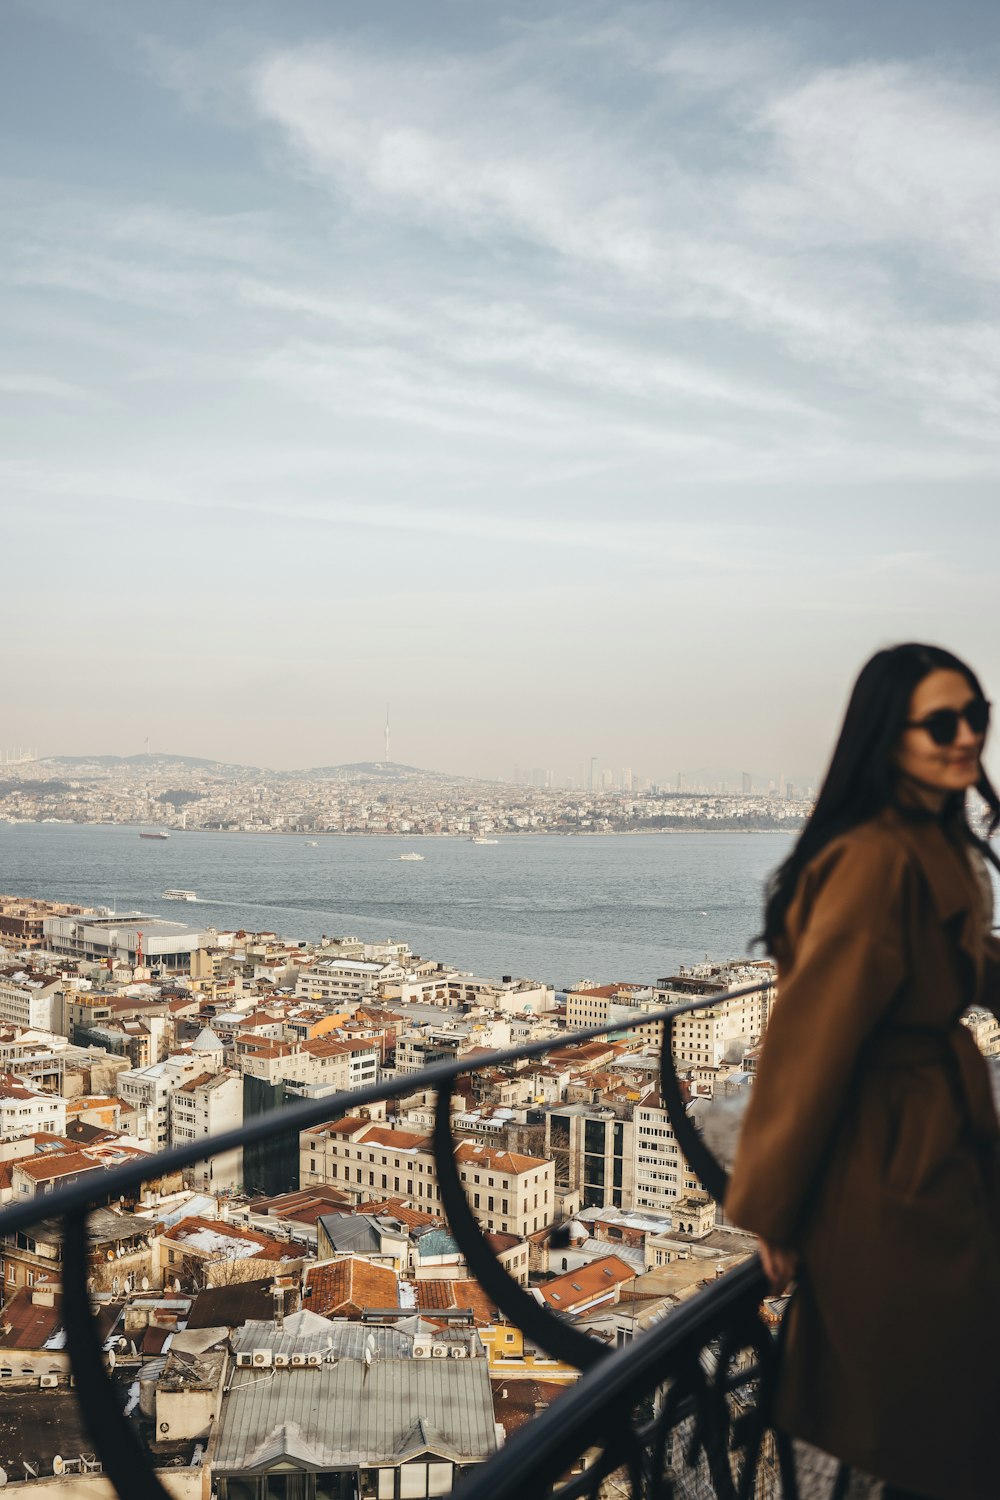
{"x": 111, "y": 1365}
{"x": 177, "y": 1285}
{"x": 145, "y": 1283}
{"x": 3, "y": 1476}
{"x": 58, "y": 1464}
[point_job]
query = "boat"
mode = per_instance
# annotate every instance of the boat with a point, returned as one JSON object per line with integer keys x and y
{"x": 411, "y": 856}
{"x": 312, "y": 843}
{"x": 161, "y": 833}
{"x": 180, "y": 896}
{"x": 478, "y": 838}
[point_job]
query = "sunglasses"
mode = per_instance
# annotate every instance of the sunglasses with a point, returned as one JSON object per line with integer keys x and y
{"x": 942, "y": 725}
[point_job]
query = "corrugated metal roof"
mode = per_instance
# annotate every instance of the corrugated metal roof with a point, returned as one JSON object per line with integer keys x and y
{"x": 347, "y": 1415}
{"x": 308, "y": 1333}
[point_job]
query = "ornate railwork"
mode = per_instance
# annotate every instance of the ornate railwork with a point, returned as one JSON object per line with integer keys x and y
{"x": 680, "y": 1412}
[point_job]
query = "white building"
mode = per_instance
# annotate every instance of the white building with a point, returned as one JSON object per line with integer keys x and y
{"x": 204, "y": 1106}
{"x": 165, "y": 946}
{"x": 28, "y": 999}
{"x": 146, "y": 1092}
{"x": 339, "y": 980}
{"x": 25, "y": 1111}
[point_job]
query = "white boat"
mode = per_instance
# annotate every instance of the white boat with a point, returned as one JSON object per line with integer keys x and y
{"x": 411, "y": 856}
{"x": 479, "y": 839}
{"x": 180, "y": 896}
{"x": 312, "y": 843}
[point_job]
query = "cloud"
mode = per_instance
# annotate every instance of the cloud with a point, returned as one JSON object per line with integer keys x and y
{"x": 46, "y": 387}
{"x": 792, "y": 213}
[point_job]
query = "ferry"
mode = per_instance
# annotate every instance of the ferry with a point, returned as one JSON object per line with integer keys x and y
{"x": 479, "y": 839}
{"x": 161, "y": 833}
{"x": 180, "y": 896}
{"x": 411, "y": 856}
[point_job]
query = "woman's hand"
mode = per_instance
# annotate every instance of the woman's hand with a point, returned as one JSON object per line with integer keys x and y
{"x": 780, "y": 1265}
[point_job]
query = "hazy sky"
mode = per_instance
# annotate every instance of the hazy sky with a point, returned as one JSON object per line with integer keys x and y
{"x": 583, "y": 379}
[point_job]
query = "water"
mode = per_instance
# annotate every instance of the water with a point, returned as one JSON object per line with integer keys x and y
{"x": 620, "y": 907}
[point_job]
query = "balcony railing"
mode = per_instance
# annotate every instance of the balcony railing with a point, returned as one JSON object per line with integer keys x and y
{"x": 681, "y": 1411}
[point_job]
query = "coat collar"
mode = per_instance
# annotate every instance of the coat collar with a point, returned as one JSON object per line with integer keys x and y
{"x": 950, "y": 880}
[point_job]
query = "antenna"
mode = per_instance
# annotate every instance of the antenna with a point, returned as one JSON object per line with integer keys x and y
{"x": 387, "y": 734}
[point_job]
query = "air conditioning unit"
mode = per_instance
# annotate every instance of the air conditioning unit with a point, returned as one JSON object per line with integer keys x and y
{"x": 314, "y": 1359}
{"x": 459, "y": 1352}
{"x": 298, "y": 1361}
{"x": 281, "y": 1361}
{"x": 243, "y": 1361}
{"x": 48, "y": 1382}
{"x": 421, "y": 1351}
{"x": 439, "y": 1351}
{"x": 261, "y": 1359}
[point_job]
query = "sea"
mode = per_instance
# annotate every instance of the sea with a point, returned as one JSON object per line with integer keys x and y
{"x": 629, "y": 907}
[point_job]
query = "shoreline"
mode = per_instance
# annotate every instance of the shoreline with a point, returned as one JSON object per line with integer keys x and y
{"x": 504, "y": 836}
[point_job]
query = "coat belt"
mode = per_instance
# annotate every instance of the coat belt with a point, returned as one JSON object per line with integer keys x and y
{"x": 954, "y": 1049}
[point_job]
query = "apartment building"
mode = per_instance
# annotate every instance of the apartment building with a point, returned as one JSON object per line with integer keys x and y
{"x": 660, "y": 1173}
{"x": 204, "y": 1106}
{"x": 508, "y": 1193}
{"x": 28, "y": 998}
{"x": 590, "y": 1004}
{"x": 335, "y": 1063}
{"x": 22, "y": 919}
{"x": 726, "y": 1029}
{"x": 146, "y": 1092}
{"x": 26, "y": 1111}
{"x": 346, "y": 979}
{"x": 422, "y": 1047}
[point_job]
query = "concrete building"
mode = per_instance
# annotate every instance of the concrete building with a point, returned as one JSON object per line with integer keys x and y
{"x": 508, "y": 1193}
{"x": 336, "y": 1064}
{"x": 660, "y": 1174}
{"x": 146, "y": 1092}
{"x": 28, "y": 998}
{"x": 26, "y": 1111}
{"x": 345, "y": 979}
{"x": 167, "y": 947}
{"x": 724, "y": 1031}
{"x": 592, "y": 1152}
{"x": 203, "y": 1106}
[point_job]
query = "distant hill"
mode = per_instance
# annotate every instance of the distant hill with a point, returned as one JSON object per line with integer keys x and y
{"x": 361, "y": 770}
{"x": 376, "y": 769}
{"x": 157, "y": 760}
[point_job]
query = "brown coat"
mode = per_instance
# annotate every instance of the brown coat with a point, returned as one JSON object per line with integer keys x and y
{"x": 870, "y": 1146}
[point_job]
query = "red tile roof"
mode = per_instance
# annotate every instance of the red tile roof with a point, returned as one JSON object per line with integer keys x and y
{"x": 346, "y": 1288}
{"x": 574, "y": 1288}
{"x": 25, "y": 1325}
{"x": 444, "y": 1296}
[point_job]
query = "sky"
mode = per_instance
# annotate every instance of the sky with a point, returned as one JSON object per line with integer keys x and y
{"x": 576, "y": 379}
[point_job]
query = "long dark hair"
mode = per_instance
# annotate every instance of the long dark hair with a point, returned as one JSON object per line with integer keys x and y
{"x": 862, "y": 775}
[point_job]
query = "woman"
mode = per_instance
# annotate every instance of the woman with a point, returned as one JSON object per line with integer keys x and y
{"x": 868, "y": 1163}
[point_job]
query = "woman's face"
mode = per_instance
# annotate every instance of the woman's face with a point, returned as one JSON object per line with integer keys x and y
{"x": 945, "y": 768}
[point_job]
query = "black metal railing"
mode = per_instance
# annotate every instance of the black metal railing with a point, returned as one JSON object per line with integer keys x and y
{"x": 683, "y": 1410}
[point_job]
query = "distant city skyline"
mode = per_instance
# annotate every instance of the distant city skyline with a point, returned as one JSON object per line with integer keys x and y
{"x": 607, "y": 379}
